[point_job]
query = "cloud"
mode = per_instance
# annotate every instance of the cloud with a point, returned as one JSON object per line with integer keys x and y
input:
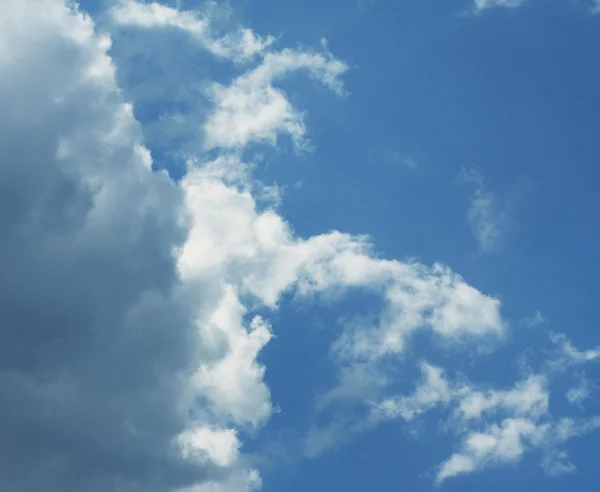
{"x": 504, "y": 443}
{"x": 251, "y": 109}
{"x": 134, "y": 307}
{"x": 433, "y": 390}
{"x": 578, "y": 394}
{"x": 397, "y": 159}
{"x": 528, "y": 398}
{"x": 106, "y": 349}
{"x": 557, "y": 463}
{"x": 489, "y": 217}
{"x": 494, "y": 426}
{"x": 596, "y": 7}
{"x": 536, "y": 319}
{"x": 569, "y": 355}
{"x": 508, "y": 441}
{"x": 140, "y": 318}
{"x": 481, "y": 5}
{"x": 241, "y": 45}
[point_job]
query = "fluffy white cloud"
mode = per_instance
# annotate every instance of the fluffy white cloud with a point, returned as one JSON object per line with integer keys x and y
{"x": 251, "y": 108}
{"x": 528, "y": 397}
{"x": 508, "y": 441}
{"x": 219, "y": 445}
{"x": 498, "y": 444}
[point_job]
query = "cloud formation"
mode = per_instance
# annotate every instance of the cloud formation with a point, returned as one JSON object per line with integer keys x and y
{"x": 130, "y": 301}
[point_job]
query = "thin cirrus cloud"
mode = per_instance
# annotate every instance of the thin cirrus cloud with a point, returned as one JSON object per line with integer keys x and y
{"x": 490, "y": 216}
{"x": 481, "y": 5}
{"x": 141, "y": 303}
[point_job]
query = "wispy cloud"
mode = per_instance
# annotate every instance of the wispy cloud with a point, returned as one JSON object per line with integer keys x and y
{"x": 569, "y": 355}
{"x": 241, "y": 45}
{"x": 536, "y": 319}
{"x": 481, "y": 5}
{"x": 489, "y": 216}
{"x": 398, "y": 159}
{"x": 580, "y": 393}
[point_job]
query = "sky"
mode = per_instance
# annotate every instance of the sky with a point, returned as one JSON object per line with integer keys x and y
{"x": 296, "y": 245}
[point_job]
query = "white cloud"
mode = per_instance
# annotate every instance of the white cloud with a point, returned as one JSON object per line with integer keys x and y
{"x": 503, "y": 443}
{"x": 481, "y": 5}
{"x": 528, "y": 398}
{"x": 241, "y": 45}
{"x": 252, "y": 109}
{"x": 142, "y": 319}
{"x": 557, "y": 463}
{"x": 578, "y": 394}
{"x": 219, "y": 445}
{"x": 596, "y": 7}
{"x": 433, "y": 390}
{"x": 528, "y": 426}
{"x": 234, "y": 384}
{"x": 569, "y": 355}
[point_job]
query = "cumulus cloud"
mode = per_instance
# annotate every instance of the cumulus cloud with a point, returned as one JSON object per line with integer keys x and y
{"x": 127, "y": 297}
{"x": 101, "y": 339}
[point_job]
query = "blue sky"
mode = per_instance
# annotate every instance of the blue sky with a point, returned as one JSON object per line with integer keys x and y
{"x": 299, "y": 245}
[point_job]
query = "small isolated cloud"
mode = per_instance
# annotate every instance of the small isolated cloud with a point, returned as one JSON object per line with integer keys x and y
{"x": 490, "y": 216}
{"x": 596, "y": 7}
{"x": 397, "y": 159}
{"x": 536, "y": 319}
{"x": 481, "y": 5}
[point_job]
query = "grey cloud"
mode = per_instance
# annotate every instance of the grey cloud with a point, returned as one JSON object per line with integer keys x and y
{"x": 97, "y": 333}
